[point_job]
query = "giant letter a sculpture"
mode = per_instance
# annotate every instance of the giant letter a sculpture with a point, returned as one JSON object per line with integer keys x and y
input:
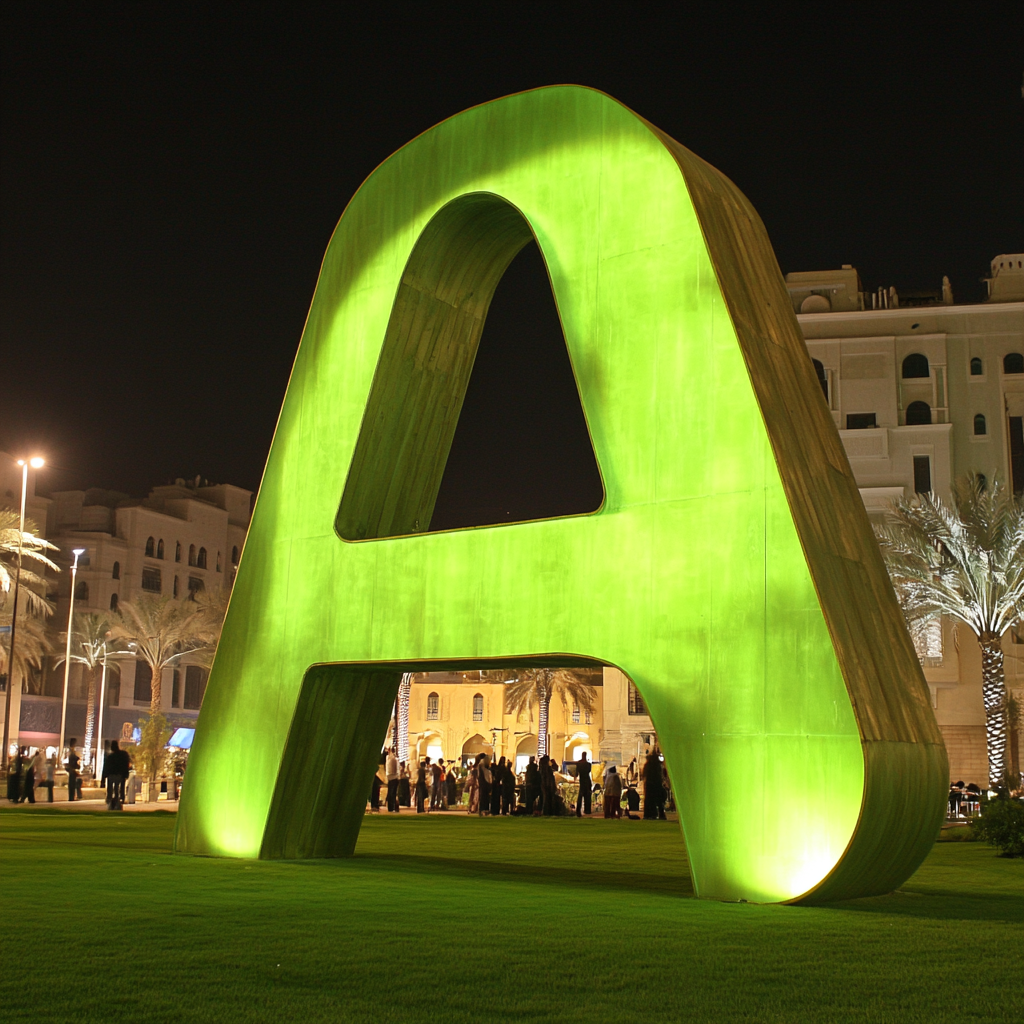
{"x": 731, "y": 571}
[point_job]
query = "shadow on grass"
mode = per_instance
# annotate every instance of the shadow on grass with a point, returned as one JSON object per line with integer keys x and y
{"x": 539, "y": 874}
{"x": 945, "y": 907}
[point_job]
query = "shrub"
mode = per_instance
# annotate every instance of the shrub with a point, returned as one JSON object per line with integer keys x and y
{"x": 1001, "y": 824}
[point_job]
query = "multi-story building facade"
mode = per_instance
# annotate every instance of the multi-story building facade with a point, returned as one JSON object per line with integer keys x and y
{"x": 180, "y": 539}
{"x": 924, "y": 391}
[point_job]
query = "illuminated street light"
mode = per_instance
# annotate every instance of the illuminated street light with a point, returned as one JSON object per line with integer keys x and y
{"x": 67, "y": 651}
{"x": 36, "y": 463}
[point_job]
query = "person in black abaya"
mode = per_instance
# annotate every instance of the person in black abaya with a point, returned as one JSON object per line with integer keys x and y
{"x": 654, "y": 792}
{"x": 497, "y": 786}
{"x": 532, "y": 786}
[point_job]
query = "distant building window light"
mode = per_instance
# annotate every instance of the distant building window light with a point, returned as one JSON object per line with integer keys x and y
{"x": 915, "y": 365}
{"x": 860, "y": 420}
{"x": 115, "y": 573}
{"x": 576, "y": 713}
{"x": 151, "y": 582}
{"x": 478, "y": 707}
{"x": 149, "y": 547}
{"x": 919, "y": 414}
{"x": 979, "y": 426}
{"x": 922, "y": 474}
{"x": 432, "y": 707}
{"x": 160, "y": 548}
{"x": 1013, "y": 362}
{"x": 977, "y": 367}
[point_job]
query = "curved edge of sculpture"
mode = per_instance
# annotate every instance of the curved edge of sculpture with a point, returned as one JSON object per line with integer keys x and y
{"x": 304, "y": 690}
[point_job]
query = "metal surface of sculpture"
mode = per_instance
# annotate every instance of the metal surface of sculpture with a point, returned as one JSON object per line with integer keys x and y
{"x": 731, "y": 571}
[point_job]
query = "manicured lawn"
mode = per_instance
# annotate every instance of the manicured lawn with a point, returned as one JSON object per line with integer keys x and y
{"x": 452, "y": 919}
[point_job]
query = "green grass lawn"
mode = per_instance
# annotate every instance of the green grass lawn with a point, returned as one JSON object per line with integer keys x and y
{"x": 454, "y": 919}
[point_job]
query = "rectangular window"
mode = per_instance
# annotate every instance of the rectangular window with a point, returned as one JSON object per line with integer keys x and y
{"x": 922, "y": 474}
{"x": 176, "y": 689}
{"x": 860, "y": 420}
{"x": 478, "y": 708}
{"x": 588, "y": 721}
{"x": 195, "y": 687}
{"x": 432, "y": 707}
{"x": 113, "y": 696}
{"x": 1017, "y": 453}
{"x": 151, "y": 581}
{"x": 636, "y": 702}
{"x": 195, "y": 584}
{"x": 575, "y": 713}
{"x": 143, "y": 683}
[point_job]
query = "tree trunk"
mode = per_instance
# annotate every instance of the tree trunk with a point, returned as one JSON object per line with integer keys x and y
{"x": 543, "y": 704}
{"x": 402, "y": 740}
{"x": 993, "y": 693}
{"x": 156, "y": 695}
{"x": 90, "y": 718}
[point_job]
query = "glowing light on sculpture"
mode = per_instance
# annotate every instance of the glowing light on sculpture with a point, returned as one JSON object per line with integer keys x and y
{"x": 731, "y": 572}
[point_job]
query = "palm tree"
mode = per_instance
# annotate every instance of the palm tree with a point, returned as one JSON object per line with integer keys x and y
{"x": 90, "y": 643}
{"x": 536, "y": 686}
{"x": 32, "y": 647}
{"x": 14, "y": 543}
{"x": 163, "y": 630}
{"x": 964, "y": 560}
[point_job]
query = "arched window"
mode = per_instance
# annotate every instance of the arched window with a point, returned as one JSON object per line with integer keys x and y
{"x": 191, "y": 554}
{"x": 116, "y": 572}
{"x": 113, "y": 602}
{"x": 979, "y": 426}
{"x": 175, "y": 589}
{"x": 819, "y": 369}
{"x": 234, "y": 555}
{"x": 160, "y": 548}
{"x": 82, "y": 591}
{"x": 977, "y": 367}
{"x": 201, "y": 560}
{"x": 918, "y": 413}
{"x": 1013, "y": 362}
{"x": 478, "y": 707}
{"x": 149, "y": 547}
{"x": 218, "y": 561}
{"x": 915, "y": 365}
{"x": 432, "y": 707}
{"x": 177, "y": 551}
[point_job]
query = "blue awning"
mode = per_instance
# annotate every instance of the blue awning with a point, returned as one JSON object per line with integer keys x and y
{"x": 182, "y": 738}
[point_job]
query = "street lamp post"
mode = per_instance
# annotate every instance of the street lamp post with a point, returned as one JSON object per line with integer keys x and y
{"x": 97, "y": 766}
{"x": 67, "y": 651}
{"x": 36, "y": 463}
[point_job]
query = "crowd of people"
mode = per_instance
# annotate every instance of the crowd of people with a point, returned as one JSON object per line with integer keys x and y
{"x": 28, "y": 771}
{"x": 483, "y": 786}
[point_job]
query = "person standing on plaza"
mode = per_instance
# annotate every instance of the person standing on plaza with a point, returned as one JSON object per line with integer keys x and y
{"x": 421, "y": 785}
{"x": 532, "y": 786}
{"x": 612, "y": 793}
{"x": 436, "y": 778}
{"x": 586, "y": 785}
{"x": 15, "y": 773}
{"x": 548, "y": 787}
{"x": 392, "y": 772}
{"x": 33, "y": 771}
{"x": 484, "y": 781}
{"x": 375, "y": 785}
{"x": 49, "y": 770}
{"x": 508, "y": 789}
{"x": 654, "y": 793}
{"x": 116, "y": 766}
{"x": 473, "y": 790}
{"x": 404, "y": 786}
{"x": 497, "y": 785}
{"x": 452, "y": 782}
{"x": 73, "y": 763}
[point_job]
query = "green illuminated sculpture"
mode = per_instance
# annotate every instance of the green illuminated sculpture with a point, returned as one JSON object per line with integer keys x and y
{"x": 731, "y": 572}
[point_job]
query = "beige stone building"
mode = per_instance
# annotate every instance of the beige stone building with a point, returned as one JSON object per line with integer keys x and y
{"x": 180, "y": 539}
{"x": 924, "y": 391}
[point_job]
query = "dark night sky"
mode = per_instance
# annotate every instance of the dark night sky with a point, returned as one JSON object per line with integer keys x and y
{"x": 170, "y": 179}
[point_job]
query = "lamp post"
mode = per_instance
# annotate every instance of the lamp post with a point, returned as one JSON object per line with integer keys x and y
{"x": 97, "y": 767}
{"x": 67, "y": 651}
{"x": 36, "y": 463}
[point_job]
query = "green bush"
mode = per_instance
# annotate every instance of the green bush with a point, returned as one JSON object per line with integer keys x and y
{"x": 1001, "y": 824}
